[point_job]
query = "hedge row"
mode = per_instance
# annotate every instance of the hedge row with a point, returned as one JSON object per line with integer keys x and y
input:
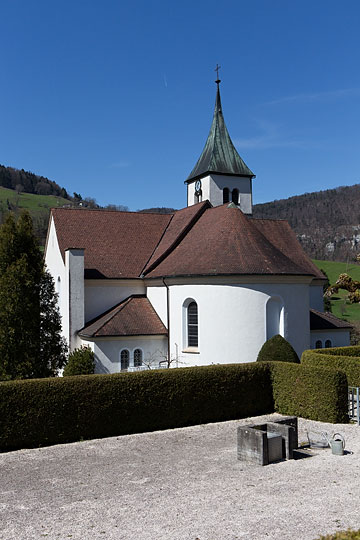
{"x": 346, "y": 359}
{"x": 50, "y": 411}
{"x": 310, "y": 392}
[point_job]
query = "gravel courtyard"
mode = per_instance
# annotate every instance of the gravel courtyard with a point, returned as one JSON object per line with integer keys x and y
{"x": 181, "y": 484}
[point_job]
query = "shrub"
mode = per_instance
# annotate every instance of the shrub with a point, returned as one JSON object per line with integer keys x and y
{"x": 342, "y": 535}
{"x": 50, "y": 411}
{"x": 310, "y": 392}
{"x": 277, "y": 349}
{"x": 345, "y": 359}
{"x": 81, "y": 362}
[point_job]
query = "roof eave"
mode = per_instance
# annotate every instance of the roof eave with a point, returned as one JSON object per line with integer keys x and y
{"x": 191, "y": 179}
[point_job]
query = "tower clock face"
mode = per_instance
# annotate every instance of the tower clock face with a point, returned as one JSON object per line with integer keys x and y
{"x": 198, "y": 185}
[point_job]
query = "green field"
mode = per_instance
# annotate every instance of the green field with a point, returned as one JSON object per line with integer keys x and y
{"x": 38, "y": 205}
{"x": 340, "y": 306}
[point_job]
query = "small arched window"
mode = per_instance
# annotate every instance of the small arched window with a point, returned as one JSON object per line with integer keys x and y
{"x": 192, "y": 325}
{"x": 137, "y": 358}
{"x": 235, "y": 196}
{"x": 318, "y": 344}
{"x": 124, "y": 360}
{"x": 226, "y": 195}
{"x": 328, "y": 344}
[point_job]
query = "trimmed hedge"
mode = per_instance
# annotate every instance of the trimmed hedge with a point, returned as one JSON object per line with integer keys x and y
{"x": 277, "y": 349}
{"x": 309, "y": 392}
{"x": 50, "y": 411}
{"x": 342, "y": 535}
{"x": 345, "y": 359}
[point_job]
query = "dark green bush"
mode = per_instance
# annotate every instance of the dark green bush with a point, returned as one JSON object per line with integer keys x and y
{"x": 277, "y": 349}
{"x": 81, "y": 362}
{"x": 310, "y": 392}
{"x": 342, "y": 535}
{"x": 50, "y": 411}
{"x": 345, "y": 359}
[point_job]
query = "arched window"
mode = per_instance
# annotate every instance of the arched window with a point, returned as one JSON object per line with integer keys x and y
{"x": 137, "y": 358}
{"x": 318, "y": 344}
{"x": 226, "y": 195}
{"x": 192, "y": 325}
{"x": 235, "y": 196}
{"x": 124, "y": 360}
{"x": 328, "y": 343}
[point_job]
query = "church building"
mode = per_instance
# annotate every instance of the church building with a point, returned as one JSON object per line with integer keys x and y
{"x": 208, "y": 284}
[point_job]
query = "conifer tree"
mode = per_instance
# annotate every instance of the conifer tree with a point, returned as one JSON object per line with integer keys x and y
{"x": 30, "y": 341}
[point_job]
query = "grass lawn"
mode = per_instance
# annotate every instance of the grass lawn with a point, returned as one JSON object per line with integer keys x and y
{"x": 37, "y": 205}
{"x": 340, "y": 306}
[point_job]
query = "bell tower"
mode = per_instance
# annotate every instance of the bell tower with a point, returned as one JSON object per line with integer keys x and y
{"x": 220, "y": 175}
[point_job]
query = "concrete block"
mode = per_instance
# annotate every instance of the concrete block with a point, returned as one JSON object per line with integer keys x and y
{"x": 252, "y": 445}
{"x": 288, "y": 436}
{"x": 266, "y": 443}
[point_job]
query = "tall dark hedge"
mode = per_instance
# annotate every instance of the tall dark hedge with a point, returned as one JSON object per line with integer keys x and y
{"x": 310, "y": 392}
{"x": 51, "y": 411}
{"x": 277, "y": 349}
{"x": 345, "y": 359}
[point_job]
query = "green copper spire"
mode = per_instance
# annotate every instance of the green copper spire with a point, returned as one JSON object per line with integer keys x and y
{"x": 219, "y": 154}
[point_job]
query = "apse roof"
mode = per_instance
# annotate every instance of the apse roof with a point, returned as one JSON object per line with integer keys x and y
{"x": 219, "y": 154}
{"x": 223, "y": 241}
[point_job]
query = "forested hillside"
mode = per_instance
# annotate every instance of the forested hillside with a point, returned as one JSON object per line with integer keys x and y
{"x": 28, "y": 182}
{"x": 327, "y": 223}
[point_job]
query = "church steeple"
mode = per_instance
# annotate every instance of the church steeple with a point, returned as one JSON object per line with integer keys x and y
{"x": 219, "y": 154}
{"x": 220, "y": 175}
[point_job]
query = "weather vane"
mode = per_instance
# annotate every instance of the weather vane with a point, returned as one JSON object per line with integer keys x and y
{"x": 217, "y": 73}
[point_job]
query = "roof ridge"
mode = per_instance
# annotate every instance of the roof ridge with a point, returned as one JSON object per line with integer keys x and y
{"x": 206, "y": 205}
{"x": 157, "y": 245}
{"x": 109, "y": 210}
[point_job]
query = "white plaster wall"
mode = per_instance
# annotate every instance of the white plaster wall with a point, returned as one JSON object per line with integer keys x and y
{"x": 107, "y": 351}
{"x": 316, "y": 297}
{"x": 339, "y": 338}
{"x": 101, "y": 295}
{"x": 157, "y": 295}
{"x": 212, "y": 189}
{"x": 232, "y": 320}
{"x": 74, "y": 264}
{"x": 56, "y": 266}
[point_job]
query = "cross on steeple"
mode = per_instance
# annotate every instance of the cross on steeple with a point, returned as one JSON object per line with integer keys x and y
{"x": 218, "y": 81}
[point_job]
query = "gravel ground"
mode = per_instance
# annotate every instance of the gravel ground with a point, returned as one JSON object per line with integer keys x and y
{"x": 181, "y": 484}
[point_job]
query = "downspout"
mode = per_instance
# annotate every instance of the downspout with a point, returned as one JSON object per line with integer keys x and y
{"x": 168, "y": 317}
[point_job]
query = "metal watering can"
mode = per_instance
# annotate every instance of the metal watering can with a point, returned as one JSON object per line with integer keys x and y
{"x": 337, "y": 444}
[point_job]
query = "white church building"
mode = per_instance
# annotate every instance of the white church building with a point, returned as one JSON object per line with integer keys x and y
{"x": 208, "y": 284}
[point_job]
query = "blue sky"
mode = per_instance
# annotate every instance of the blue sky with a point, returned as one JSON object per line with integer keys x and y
{"x": 114, "y": 99}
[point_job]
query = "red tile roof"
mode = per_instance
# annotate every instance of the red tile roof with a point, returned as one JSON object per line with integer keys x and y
{"x": 176, "y": 230}
{"x": 134, "y": 316}
{"x": 198, "y": 240}
{"x": 225, "y": 241}
{"x": 326, "y": 321}
{"x": 117, "y": 244}
{"x": 281, "y": 235}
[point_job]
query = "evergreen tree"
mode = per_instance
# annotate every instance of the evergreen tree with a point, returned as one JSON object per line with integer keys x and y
{"x": 30, "y": 341}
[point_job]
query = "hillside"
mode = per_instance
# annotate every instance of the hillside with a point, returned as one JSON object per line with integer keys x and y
{"x": 327, "y": 223}
{"x": 339, "y": 306}
{"x": 38, "y": 206}
{"x": 28, "y": 182}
